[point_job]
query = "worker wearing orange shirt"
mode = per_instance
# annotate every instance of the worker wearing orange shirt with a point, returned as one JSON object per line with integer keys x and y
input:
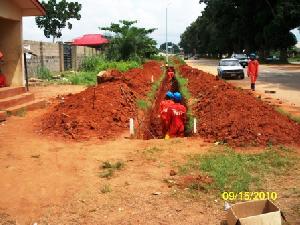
{"x": 176, "y": 117}
{"x": 252, "y": 72}
{"x": 163, "y": 110}
{"x": 170, "y": 73}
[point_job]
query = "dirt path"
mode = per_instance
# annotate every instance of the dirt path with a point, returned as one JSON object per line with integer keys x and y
{"x": 58, "y": 182}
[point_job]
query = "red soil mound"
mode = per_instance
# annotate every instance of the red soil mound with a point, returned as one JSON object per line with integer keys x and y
{"x": 235, "y": 116}
{"x": 79, "y": 116}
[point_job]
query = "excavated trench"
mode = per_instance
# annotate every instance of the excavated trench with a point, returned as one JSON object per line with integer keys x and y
{"x": 152, "y": 128}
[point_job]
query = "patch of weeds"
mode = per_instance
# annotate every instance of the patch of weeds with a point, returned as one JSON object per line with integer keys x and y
{"x": 154, "y": 88}
{"x": 146, "y": 104}
{"x": 83, "y": 78}
{"x": 289, "y": 115}
{"x": 43, "y": 73}
{"x": 143, "y": 104}
{"x": 236, "y": 172}
{"x": 109, "y": 168}
{"x": 106, "y": 189}
{"x": 150, "y": 153}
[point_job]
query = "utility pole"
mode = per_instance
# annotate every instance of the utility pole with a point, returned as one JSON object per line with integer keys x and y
{"x": 167, "y": 46}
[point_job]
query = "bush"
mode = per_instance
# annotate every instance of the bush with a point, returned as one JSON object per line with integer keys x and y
{"x": 98, "y": 63}
{"x": 43, "y": 73}
{"x": 83, "y": 78}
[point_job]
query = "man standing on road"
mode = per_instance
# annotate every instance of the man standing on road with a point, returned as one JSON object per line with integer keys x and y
{"x": 176, "y": 117}
{"x": 163, "y": 110}
{"x": 252, "y": 71}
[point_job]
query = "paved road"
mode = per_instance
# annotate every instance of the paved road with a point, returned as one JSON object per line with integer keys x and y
{"x": 284, "y": 79}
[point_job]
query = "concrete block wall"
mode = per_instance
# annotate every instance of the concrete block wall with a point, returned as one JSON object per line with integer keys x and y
{"x": 46, "y": 55}
{"x": 51, "y": 56}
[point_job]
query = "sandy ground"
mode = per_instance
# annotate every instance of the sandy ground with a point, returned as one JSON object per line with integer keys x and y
{"x": 284, "y": 79}
{"x": 53, "y": 181}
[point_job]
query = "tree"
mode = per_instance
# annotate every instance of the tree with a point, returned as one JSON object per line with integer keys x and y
{"x": 228, "y": 26}
{"x": 130, "y": 42}
{"x": 57, "y": 16}
{"x": 173, "y": 48}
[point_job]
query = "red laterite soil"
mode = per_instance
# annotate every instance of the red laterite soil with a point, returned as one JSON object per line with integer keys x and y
{"x": 234, "y": 116}
{"x": 102, "y": 111}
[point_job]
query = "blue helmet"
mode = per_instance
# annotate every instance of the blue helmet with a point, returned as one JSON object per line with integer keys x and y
{"x": 252, "y": 56}
{"x": 170, "y": 95}
{"x": 177, "y": 97}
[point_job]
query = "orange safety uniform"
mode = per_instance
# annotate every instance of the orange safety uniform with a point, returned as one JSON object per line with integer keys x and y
{"x": 163, "y": 110}
{"x": 252, "y": 71}
{"x": 171, "y": 75}
{"x": 1, "y": 55}
{"x": 176, "y": 118}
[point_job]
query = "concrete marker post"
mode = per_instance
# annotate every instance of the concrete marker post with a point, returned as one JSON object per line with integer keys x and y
{"x": 152, "y": 79}
{"x": 195, "y": 125}
{"x": 131, "y": 127}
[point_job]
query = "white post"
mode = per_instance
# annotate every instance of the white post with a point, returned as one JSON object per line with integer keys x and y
{"x": 195, "y": 125}
{"x": 152, "y": 79}
{"x": 131, "y": 127}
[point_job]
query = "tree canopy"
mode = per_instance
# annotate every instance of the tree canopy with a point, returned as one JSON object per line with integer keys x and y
{"x": 227, "y": 26}
{"x": 57, "y": 17}
{"x": 129, "y": 41}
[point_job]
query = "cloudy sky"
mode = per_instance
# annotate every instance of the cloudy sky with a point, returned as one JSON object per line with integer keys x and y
{"x": 149, "y": 13}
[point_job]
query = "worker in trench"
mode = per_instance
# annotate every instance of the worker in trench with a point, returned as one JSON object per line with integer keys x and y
{"x": 163, "y": 110}
{"x": 171, "y": 73}
{"x": 176, "y": 117}
{"x": 252, "y": 71}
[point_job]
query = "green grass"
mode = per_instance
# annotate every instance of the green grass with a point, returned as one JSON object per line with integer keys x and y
{"x": 43, "y": 73}
{"x": 236, "y": 172}
{"x": 82, "y": 78}
{"x": 289, "y": 115}
{"x": 99, "y": 63}
{"x": 109, "y": 168}
{"x": 143, "y": 104}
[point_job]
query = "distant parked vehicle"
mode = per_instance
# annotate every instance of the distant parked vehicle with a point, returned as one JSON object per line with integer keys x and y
{"x": 243, "y": 59}
{"x": 230, "y": 68}
{"x": 272, "y": 59}
{"x": 186, "y": 57}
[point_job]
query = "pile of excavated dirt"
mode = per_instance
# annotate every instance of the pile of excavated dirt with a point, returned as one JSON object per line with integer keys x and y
{"x": 102, "y": 111}
{"x": 228, "y": 114}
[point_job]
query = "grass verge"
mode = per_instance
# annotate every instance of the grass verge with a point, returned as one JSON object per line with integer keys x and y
{"x": 145, "y": 104}
{"x": 289, "y": 115}
{"x": 236, "y": 172}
